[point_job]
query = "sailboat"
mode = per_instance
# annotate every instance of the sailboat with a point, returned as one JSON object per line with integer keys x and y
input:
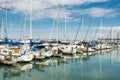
{"x": 40, "y": 50}
{"x": 87, "y": 45}
{"x": 101, "y": 45}
{"x": 65, "y": 48}
{"x": 7, "y": 57}
{"x": 79, "y": 45}
{"x": 15, "y": 51}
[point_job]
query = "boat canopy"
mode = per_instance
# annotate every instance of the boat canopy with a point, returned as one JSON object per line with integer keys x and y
{"x": 32, "y": 43}
{"x": 12, "y": 43}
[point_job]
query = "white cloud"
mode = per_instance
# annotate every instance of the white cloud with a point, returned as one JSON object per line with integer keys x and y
{"x": 112, "y": 14}
{"x": 50, "y": 13}
{"x": 100, "y": 12}
{"x": 44, "y": 8}
{"x": 70, "y": 2}
{"x": 115, "y": 28}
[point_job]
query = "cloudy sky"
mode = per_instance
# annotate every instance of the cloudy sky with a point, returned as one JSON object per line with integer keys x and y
{"x": 45, "y": 14}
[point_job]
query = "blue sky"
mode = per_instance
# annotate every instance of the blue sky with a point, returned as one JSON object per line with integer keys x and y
{"x": 45, "y": 11}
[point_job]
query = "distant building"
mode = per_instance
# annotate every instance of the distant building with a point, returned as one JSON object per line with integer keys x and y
{"x": 109, "y": 40}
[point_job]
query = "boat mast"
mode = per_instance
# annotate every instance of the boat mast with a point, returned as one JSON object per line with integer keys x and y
{"x": 25, "y": 18}
{"x": 82, "y": 28}
{"x": 117, "y": 39}
{"x": 24, "y": 29}
{"x": 101, "y": 30}
{"x": 111, "y": 34}
{"x": 2, "y": 29}
{"x": 31, "y": 19}
{"x": 5, "y": 29}
{"x": 11, "y": 30}
{"x": 58, "y": 24}
{"x": 65, "y": 29}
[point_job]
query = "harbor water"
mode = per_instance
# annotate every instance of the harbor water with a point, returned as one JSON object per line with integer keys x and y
{"x": 99, "y": 65}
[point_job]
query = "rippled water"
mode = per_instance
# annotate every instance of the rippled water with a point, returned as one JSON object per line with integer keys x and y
{"x": 101, "y": 65}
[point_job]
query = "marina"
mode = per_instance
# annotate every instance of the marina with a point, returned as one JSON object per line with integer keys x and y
{"x": 59, "y": 40}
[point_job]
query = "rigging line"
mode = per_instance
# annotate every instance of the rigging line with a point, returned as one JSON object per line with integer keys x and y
{"x": 96, "y": 32}
{"x": 78, "y": 30}
{"x": 87, "y": 30}
{"x": 53, "y": 25}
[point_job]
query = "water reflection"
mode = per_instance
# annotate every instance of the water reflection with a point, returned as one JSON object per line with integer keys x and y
{"x": 100, "y": 65}
{"x": 12, "y": 72}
